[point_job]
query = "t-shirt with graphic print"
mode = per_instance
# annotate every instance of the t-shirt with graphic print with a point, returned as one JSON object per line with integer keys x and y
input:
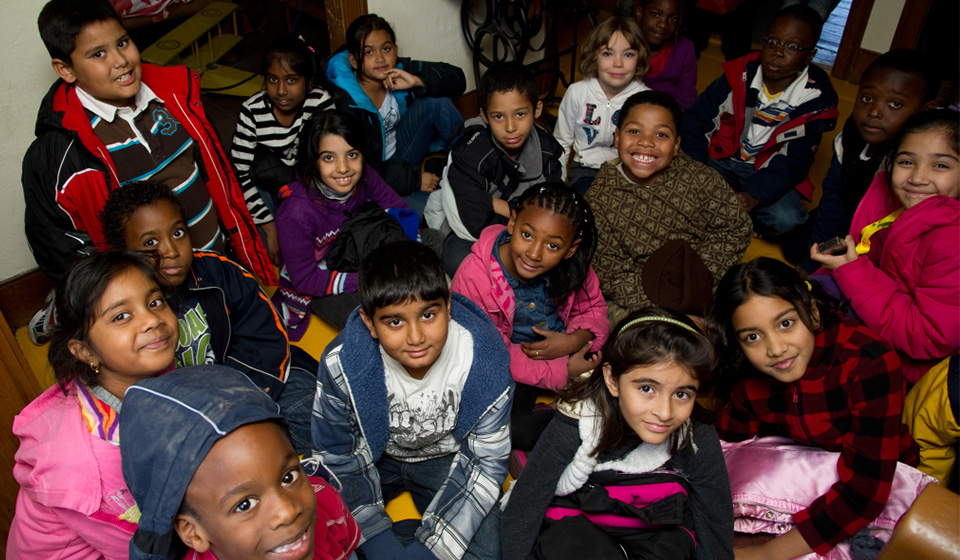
{"x": 423, "y": 412}
{"x": 194, "y": 347}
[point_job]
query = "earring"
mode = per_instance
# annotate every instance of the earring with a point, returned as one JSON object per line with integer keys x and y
{"x": 95, "y": 368}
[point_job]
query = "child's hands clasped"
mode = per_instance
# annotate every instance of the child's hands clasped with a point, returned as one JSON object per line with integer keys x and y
{"x": 401, "y": 79}
{"x": 556, "y": 344}
{"x": 832, "y": 262}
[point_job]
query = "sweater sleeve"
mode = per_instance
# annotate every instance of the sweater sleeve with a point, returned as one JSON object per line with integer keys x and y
{"x": 701, "y": 119}
{"x": 831, "y": 218}
{"x": 737, "y": 421}
{"x": 920, "y": 321}
{"x": 473, "y": 205}
{"x": 532, "y": 493}
{"x": 380, "y": 192}
{"x": 619, "y": 272}
{"x": 308, "y": 275}
{"x": 440, "y": 79}
{"x": 868, "y": 454}
{"x": 564, "y": 130}
{"x": 727, "y": 226}
{"x": 712, "y": 503}
{"x": 258, "y": 342}
{"x": 242, "y": 153}
{"x": 588, "y": 311}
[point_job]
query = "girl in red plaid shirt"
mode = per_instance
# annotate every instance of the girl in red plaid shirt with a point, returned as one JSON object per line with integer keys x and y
{"x": 818, "y": 380}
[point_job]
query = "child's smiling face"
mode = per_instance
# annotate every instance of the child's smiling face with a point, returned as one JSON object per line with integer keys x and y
{"x": 339, "y": 164}
{"x": 925, "y": 165}
{"x": 885, "y": 100}
{"x": 654, "y": 400}
{"x": 773, "y": 338}
{"x": 250, "y": 499}
{"x": 160, "y": 228}
{"x": 510, "y": 116}
{"x": 647, "y": 141}
{"x": 413, "y": 332}
{"x": 659, "y": 20}
{"x": 104, "y": 63}
{"x": 539, "y": 241}
{"x": 616, "y": 65}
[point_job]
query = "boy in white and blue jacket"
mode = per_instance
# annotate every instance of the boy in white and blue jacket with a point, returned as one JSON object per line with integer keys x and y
{"x": 415, "y": 394}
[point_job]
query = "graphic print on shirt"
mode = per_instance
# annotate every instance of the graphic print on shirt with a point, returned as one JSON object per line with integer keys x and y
{"x": 418, "y": 426}
{"x": 591, "y": 122}
{"x": 194, "y": 347}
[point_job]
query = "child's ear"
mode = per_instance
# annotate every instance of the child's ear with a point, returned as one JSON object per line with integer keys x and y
{"x": 610, "y": 382}
{"x": 538, "y": 109}
{"x": 83, "y": 352}
{"x": 932, "y": 104}
{"x": 512, "y": 222}
{"x": 353, "y": 61}
{"x": 483, "y": 115}
{"x": 573, "y": 248}
{"x": 191, "y": 532}
{"x": 369, "y": 323}
{"x": 64, "y": 70}
{"x": 810, "y": 56}
{"x": 616, "y": 138}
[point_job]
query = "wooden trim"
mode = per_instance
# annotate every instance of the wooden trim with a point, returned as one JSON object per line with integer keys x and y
{"x": 849, "y": 50}
{"x": 18, "y": 386}
{"x": 340, "y": 13}
{"x": 22, "y": 296}
{"x": 468, "y": 104}
{"x": 907, "y": 35}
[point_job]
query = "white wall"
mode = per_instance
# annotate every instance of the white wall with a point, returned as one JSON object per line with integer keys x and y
{"x": 25, "y": 76}
{"x": 882, "y": 25}
{"x": 428, "y": 30}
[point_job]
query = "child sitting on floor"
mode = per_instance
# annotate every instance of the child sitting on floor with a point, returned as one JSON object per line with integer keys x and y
{"x": 533, "y": 278}
{"x": 902, "y": 259}
{"x": 673, "y": 59}
{"x": 893, "y": 88}
{"x": 114, "y": 327}
{"x": 494, "y": 161}
{"x": 207, "y": 456}
{"x": 223, "y": 315}
{"x": 623, "y": 471}
{"x": 264, "y": 149}
{"x": 760, "y": 124}
{"x": 613, "y": 59}
{"x": 669, "y": 226}
{"x": 405, "y": 106}
{"x": 414, "y": 394}
{"x": 820, "y": 381}
{"x": 334, "y": 181}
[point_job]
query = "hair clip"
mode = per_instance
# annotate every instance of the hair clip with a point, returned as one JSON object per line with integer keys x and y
{"x": 809, "y": 287}
{"x": 306, "y": 44}
{"x": 670, "y": 320}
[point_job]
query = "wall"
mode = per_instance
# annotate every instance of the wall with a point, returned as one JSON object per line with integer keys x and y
{"x": 25, "y": 76}
{"x": 882, "y": 25}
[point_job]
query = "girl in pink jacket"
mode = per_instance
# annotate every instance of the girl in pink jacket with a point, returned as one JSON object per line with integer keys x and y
{"x": 115, "y": 328}
{"x": 902, "y": 264}
{"x": 534, "y": 280}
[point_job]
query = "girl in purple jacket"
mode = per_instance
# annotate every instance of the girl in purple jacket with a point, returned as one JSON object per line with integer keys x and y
{"x": 534, "y": 280}
{"x": 673, "y": 59}
{"x": 334, "y": 181}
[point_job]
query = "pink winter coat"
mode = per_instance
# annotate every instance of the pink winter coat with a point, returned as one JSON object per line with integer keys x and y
{"x": 72, "y": 492}
{"x": 913, "y": 299}
{"x": 480, "y": 278}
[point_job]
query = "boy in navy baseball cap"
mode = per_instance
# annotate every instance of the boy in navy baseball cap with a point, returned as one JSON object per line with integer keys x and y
{"x": 208, "y": 459}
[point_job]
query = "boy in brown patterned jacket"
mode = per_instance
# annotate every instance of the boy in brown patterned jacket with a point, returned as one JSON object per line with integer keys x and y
{"x": 653, "y": 195}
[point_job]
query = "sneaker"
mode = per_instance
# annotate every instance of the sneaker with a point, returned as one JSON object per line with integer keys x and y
{"x": 41, "y": 325}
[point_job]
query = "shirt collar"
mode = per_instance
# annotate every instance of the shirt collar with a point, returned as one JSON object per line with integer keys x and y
{"x": 107, "y": 112}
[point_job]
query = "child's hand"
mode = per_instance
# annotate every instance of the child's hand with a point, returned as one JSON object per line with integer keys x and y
{"x": 579, "y": 363}
{"x": 273, "y": 242}
{"x": 747, "y": 201}
{"x": 555, "y": 344}
{"x": 832, "y": 262}
{"x": 429, "y": 182}
{"x": 401, "y": 79}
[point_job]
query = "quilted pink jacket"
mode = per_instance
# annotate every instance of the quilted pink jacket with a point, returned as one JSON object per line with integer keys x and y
{"x": 72, "y": 494}
{"x": 912, "y": 300}
{"x": 481, "y": 279}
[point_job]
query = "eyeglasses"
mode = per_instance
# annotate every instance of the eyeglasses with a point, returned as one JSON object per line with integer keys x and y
{"x": 789, "y": 48}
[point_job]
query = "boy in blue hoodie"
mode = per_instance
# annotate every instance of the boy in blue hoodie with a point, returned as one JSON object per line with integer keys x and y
{"x": 415, "y": 394}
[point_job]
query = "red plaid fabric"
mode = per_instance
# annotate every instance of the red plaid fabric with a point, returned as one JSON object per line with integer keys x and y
{"x": 849, "y": 400}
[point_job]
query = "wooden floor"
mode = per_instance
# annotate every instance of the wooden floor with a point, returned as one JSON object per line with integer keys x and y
{"x": 831, "y": 35}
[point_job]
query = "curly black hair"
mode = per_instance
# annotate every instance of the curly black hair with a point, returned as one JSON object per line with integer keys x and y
{"x": 126, "y": 200}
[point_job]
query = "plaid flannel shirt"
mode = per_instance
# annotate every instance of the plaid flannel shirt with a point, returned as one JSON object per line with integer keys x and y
{"x": 849, "y": 400}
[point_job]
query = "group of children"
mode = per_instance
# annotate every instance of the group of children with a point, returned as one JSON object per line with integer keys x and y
{"x": 252, "y": 448}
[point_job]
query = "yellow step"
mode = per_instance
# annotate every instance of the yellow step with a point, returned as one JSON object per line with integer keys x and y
{"x": 167, "y": 50}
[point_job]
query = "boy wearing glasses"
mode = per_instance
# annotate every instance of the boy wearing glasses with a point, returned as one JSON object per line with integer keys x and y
{"x": 760, "y": 123}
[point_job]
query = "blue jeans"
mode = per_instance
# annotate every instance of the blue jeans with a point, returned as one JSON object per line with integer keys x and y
{"x": 296, "y": 400}
{"x": 776, "y": 219}
{"x": 428, "y": 125}
{"x": 423, "y": 480}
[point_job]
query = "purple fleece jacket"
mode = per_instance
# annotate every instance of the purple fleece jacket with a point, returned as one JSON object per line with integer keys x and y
{"x": 679, "y": 76}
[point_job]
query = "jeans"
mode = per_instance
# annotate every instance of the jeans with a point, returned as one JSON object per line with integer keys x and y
{"x": 428, "y": 124}
{"x": 423, "y": 480}
{"x": 296, "y": 400}
{"x": 776, "y": 219}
